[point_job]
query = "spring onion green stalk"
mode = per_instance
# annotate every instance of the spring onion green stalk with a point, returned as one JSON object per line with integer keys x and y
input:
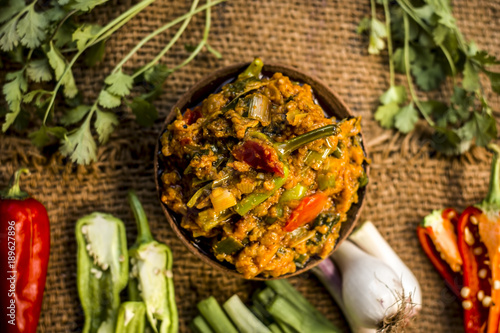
{"x": 215, "y": 316}
{"x": 200, "y": 325}
{"x": 242, "y": 317}
{"x": 368, "y": 238}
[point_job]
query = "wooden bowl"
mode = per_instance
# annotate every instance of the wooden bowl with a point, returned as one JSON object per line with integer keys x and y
{"x": 329, "y": 101}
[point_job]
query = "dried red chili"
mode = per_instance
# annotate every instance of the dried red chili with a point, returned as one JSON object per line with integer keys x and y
{"x": 24, "y": 256}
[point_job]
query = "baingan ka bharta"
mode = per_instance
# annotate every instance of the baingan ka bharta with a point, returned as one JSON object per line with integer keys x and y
{"x": 260, "y": 175}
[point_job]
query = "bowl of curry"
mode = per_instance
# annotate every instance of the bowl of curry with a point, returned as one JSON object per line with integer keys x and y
{"x": 261, "y": 170}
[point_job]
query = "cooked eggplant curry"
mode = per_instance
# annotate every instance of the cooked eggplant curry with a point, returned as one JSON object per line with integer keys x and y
{"x": 261, "y": 175}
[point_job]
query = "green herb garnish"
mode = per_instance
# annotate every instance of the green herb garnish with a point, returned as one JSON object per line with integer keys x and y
{"x": 428, "y": 48}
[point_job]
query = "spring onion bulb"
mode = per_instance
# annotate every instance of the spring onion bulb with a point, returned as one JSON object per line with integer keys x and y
{"x": 371, "y": 290}
{"x": 372, "y": 286}
{"x": 368, "y": 238}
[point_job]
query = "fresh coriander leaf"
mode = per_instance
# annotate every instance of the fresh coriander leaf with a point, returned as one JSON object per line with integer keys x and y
{"x": 36, "y": 95}
{"x": 79, "y": 145}
{"x": 399, "y": 58}
{"x": 58, "y": 63}
{"x": 45, "y": 135}
{"x": 463, "y": 103}
{"x": 145, "y": 112}
{"x": 395, "y": 94}
{"x": 22, "y": 120}
{"x": 13, "y": 90}
{"x": 364, "y": 25}
{"x": 63, "y": 2}
{"x": 108, "y": 100}
{"x": 55, "y": 14}
{"x": 397, "y": 24}
{"x": 377, "y": 33}
{"x": 10, "y": 10}
{"x": 494, "y": 81}
{"x": 84, "y": 34}
{"x": 433, "y": 109}
{"x": 64, "y": 35}
{"x": 440, "y": 33}
{"x": 406, "y": 118}
{"x": 427, "y": 72}
{"x": 216, "y": 53}
{"x": 39, "y": 70}
{"x": 157, "y": 75}
{"x": 9, "y": 39}
{"x": 385, "y": 114}
{"x": 119, "y": 83}
{"x": 485, "y": 59}
{"x": 31, "y": 28}
{"x": 451, "y": 141}
{"x": 152, "y": 95}
{"x": 95, "y": 54}
{"x": 471, "y": 77}
{"x": 86, "y": 5}
{"x": 74, "y": 115}
{"x": 482, "y": 127}
{"x": 442, "y": 8}
{"x": 105, "y": 124}
{"x": 426, "y": 13}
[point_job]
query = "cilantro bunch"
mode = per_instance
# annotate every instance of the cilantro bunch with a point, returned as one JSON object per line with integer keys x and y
{"x": 46, "y": 43}
{"x": 425, "y": 44}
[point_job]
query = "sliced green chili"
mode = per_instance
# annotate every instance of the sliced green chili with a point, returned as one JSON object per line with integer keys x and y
{"x": 102, "y": 269}
{"x": 295, "y": 193}
{"x": 131, "y": 318}
{"x": 253, "y": 200}
{"x": 228, "y": 245}
{"x": 151, "y": 279}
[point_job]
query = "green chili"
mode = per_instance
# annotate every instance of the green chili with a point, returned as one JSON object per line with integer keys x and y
{"x": 131, "y": 318}
{"x": 253, "y": 200}
{"x": 228, "y": 245}
{"x": 253, "y": 70}
{"x": 151, "y": 279}
{"x": 102, "y": 269}
{"x": 326, "y": 181}
{"x": 295, "y": 193}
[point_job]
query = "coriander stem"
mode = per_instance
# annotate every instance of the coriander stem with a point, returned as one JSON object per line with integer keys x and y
{"x": 157, "y": 32}
{"x": 109, "y": 29}
{"x": 207, "y": 7}
{"x": 407, "y": 67}
{"x": 408, "y": 9}
{"x": 389, "y": 42}
{"x": 120, "y": 21}
{"x": 59, "y": 83}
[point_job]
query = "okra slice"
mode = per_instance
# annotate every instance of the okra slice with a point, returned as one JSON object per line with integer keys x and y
{"x": 151, "y": 278}
{"x": 131, "y": 318}
{"x": 102, "y": 269}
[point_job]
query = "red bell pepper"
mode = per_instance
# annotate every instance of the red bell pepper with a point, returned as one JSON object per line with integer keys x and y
{"x": 307, "y": 210}
{"x": 438, "y": 239}
{"x": 24, "y": 256}
{"x": 479, "y": 246}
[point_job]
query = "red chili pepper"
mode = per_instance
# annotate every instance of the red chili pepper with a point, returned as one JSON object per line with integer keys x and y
{"x": 442, "y": 243}
{"x": 24, "y": 256}
{"x": 307, "y": 210}
{"x": 479, "y": 246}
{"x": 259, "y": 156}
{"x": 475, "y": 315}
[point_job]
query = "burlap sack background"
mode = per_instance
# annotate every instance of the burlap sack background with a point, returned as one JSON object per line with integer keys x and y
{"x": 407, "y": 179}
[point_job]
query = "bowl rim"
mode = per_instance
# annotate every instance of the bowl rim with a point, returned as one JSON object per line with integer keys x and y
{"x": 208, "y": 85}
